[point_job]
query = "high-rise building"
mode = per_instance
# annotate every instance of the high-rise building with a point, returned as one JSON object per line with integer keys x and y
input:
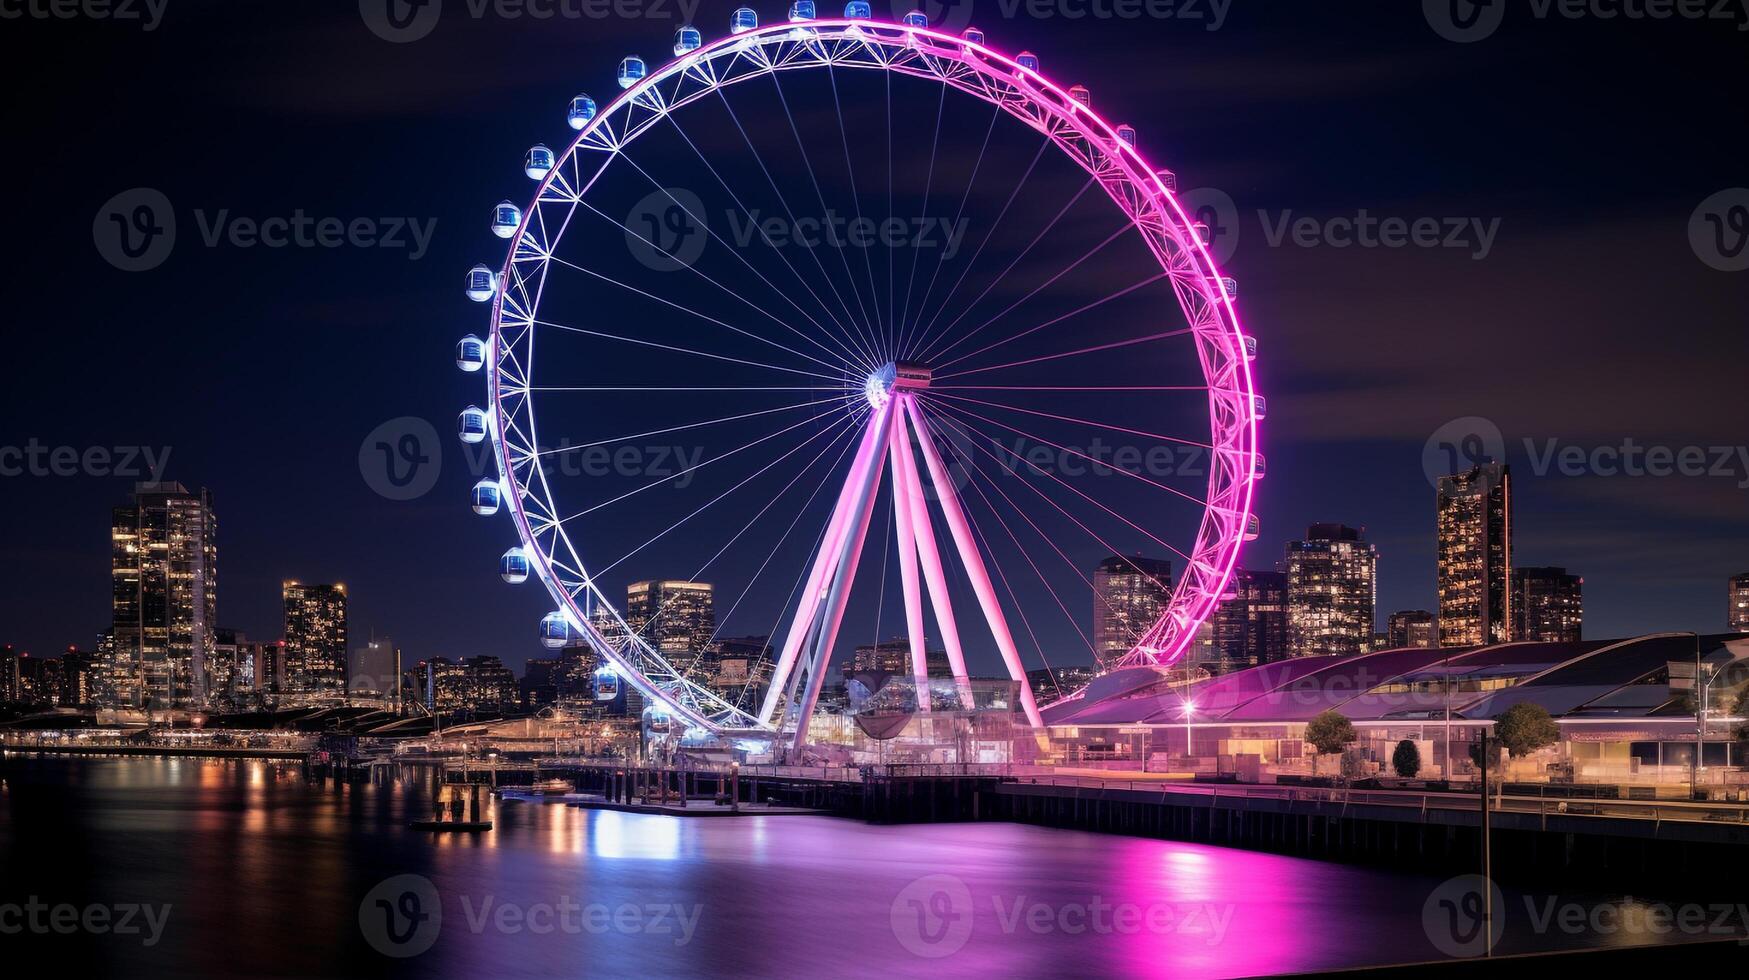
{"x": 1251, "y": 624}
{"x": 488, "y": 685}
{"x": 315, "y": 640}
{"x": 1411, "y": 628}
{"x": 1332, "y": 592}
{"x": 1547, "y": 605}
{"x": 1739, "y": 606}
{"x": 678, "y": 618}
{"x": 11, "y": 675}
{"x": 164, "y": 596}
{"x": 1129, "y": 594}
{"x": 1475, "y": 556}
{"x": 375, "y": 670}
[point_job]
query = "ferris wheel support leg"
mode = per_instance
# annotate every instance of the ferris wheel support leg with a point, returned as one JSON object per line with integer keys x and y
{"x": 808, "y": 605}
{"x": 819, "y": 657}
{"x": 939, "y": 598}
{"x": 974, "y": 563}
{"x": 903, "y": 500}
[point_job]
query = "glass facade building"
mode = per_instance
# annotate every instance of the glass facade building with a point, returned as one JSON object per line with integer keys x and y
{"x": 1475, "y": 556}
{"x": 164, "y": 598}
{"x": 1332, "y": 592}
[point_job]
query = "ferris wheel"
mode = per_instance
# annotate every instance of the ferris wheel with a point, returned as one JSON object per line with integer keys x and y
{"x": 846, "y": 435}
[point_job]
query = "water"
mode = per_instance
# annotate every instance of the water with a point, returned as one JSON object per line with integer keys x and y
{"x": 265, "y": 874}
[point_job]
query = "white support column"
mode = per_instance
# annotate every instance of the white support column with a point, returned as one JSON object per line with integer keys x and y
{"x": 940, "y": 599}
{"x": 898, "y": 447}
{"x": 814, "y": 590}
{"x": 832, "y": 613}
{"x": 974, "y": 562}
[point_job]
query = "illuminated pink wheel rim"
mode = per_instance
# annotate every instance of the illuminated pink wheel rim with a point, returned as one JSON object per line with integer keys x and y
{"x": 1092, "y": 143}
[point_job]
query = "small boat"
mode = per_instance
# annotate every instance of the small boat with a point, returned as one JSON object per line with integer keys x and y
{"x": 554, "y": 787}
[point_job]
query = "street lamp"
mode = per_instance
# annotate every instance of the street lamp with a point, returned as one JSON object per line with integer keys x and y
{"x": 1189, "y": 712}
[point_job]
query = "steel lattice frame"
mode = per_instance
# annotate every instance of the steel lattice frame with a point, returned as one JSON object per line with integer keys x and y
{"x": 1083, "y": 135}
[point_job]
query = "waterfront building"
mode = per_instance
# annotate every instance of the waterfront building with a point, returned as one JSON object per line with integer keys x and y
{"x": 1250, "y": 627}
{"x": 315, "y": 640}
{"x": 1411, "y": 628}
{"x": 164, "y": 596}
{"x": 1052, "y": 684}
{"x": 678, "y": 618}
{"x": 1739, "y": 604}
{"x": 1332, "y": 592}
{"x": 11, "y": 675}
{"x": 1474, "y": 511}
{"x": 1129, "y": 594}
{"x": 376, "y": 669}
{"x": 241, "y": 667}
{"x": 1547, "y": 605}
{"x": 488, "y": 685}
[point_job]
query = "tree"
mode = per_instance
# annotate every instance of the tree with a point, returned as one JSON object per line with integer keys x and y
{"x": 1328, "y": 733}
{"x": 1406, "y": 760}
{"x": 1525, "y": 727}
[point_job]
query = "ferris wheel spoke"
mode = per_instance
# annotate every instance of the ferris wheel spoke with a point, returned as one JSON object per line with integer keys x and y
{"x": 843, "y": 337}
{"x": 1091, "y": 423}
{"x": 707, "y": 505}
{"x": 1014, "y": 598}
{"x": 682, "y": 428}
{"x": 856, "y": 200}
{"x": 1071, "y": 267}
{"x": 641, "y": 342}
{"x": 702, "y": 316}
{"x": 702, "y": 223}
{"x": 756, "y": 307}
{"x": 982, "y": 438}
{"x": 1053, "y": 321}
{"x": 928, "y": 187}
{"x": 963, "y": 413}
{"x": 906, "y": 349}
{"x": 947, "y": 331}
{"x": 858, "y": 337}
{"x": 694, "y": 468}
{"x": 872, "y": 334}
{"x": 1050, "y": 540}
{"x": 794, "y": 521}
{"x": 990, "y": 235}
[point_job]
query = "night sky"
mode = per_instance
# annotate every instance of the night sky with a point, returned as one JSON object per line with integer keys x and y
{"x": 1586, "y": 315}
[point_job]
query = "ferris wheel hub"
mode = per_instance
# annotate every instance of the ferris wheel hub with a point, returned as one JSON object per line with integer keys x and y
{"x": 893, "y": 376}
